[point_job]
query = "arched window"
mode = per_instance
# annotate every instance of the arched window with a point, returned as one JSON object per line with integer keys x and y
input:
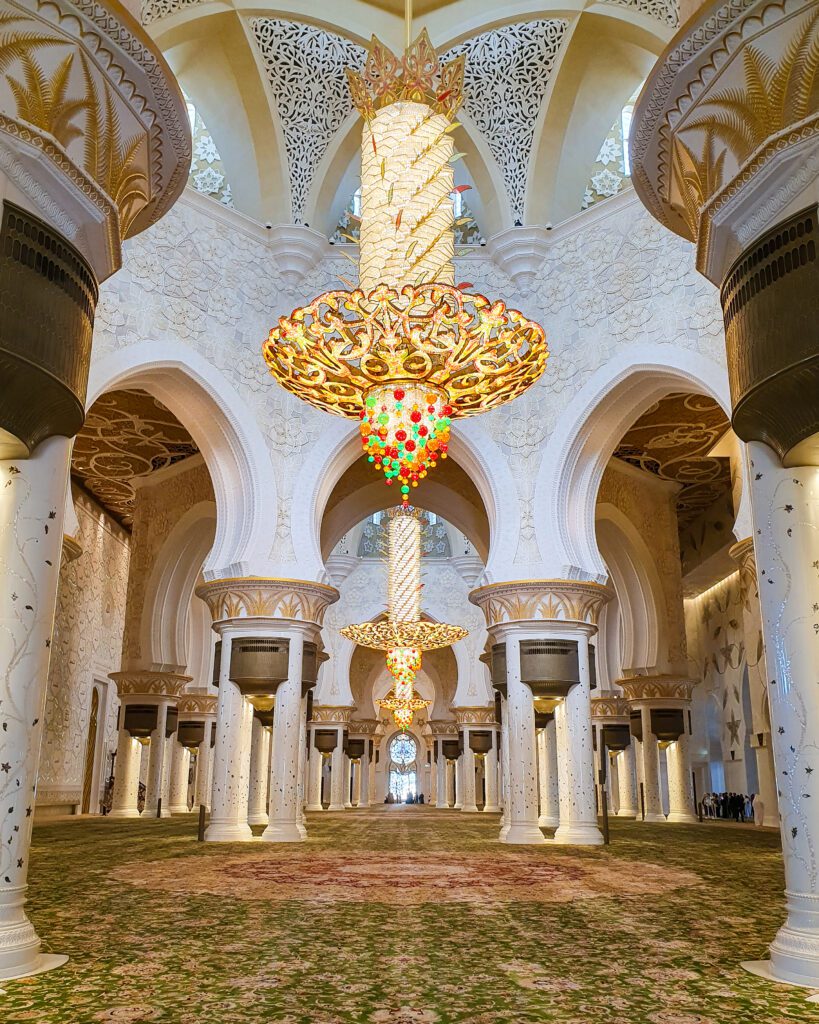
{"x": 403, "y": 749}
{"x": 612, "y": 171}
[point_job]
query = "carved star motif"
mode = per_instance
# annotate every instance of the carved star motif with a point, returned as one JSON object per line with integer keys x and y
{"x": 732, "y": 725}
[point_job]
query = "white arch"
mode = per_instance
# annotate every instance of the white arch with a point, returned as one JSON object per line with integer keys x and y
{"x": 586, "y": 436}
{"x": 227, "y": 434}
{"x": 165, "y": 626}
{"x": 644, "y": 627}
{"x": 471, "y": 447}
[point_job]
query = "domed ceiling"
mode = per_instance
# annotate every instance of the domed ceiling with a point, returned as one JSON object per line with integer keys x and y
{"x": 270, "y": 86}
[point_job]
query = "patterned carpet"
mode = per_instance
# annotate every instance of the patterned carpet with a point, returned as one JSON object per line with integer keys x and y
{"x": 403, "y": 915}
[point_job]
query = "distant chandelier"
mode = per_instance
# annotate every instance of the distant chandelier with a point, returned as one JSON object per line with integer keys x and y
{"x": 404, "y": 636}
{"x": 407, "y": 351}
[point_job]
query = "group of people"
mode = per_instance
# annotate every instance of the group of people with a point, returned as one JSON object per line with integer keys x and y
{"x": 734, "y": 807}
{"x": 391, "y": 798}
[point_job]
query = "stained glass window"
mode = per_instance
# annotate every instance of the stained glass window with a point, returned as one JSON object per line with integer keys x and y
{"x": 403, "y": 749}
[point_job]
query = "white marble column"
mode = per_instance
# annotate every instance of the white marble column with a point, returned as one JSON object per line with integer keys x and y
{"x": 785, "y": 505}
{"x": 348, "y": 782}
{"x": 179, "y": 774}
{"x": 259, "y": 774}
{"x": 523, "y": 801}
{"x": 650, "y": 756}
{"x": 228, "y": 818}
{"x": 504, "y": 768}
{"x": 157, "y": 766}
{"x": 627, "y": 783}
{"x": 337, "y": 772}
{"x": 126, "y": 776}
{"x": 575, "y": 760}
{"x": 302, "y": 801}
{"x": 440, "y": 764}
{"x": 681, "y": 807}
{"x": 490, "y": 767}
{"x": 203, "y": 765}
{"x": 468, "y": 798}
{"x": 547, "y": 776}
{"x": 315, "y": 766}
{"x": 32, "y": 508}
{"x": 355, "y": 776}
{"x": 767, "y": 783}
{"x": 371, "y": 784}
{"x": 459, "y": 783}
{"x": 451, "y": 775}
{"x": 285, "y": 817}
{"x": 364, "y": 772}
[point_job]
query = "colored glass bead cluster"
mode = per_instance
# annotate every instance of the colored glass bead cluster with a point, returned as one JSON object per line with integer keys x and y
{"x": 405, "y": 430}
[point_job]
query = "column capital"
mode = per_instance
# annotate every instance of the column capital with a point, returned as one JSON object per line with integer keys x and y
{"x": 364, "y": 727}
{"x": 201, "y": 705}
{"x": 475, "y": 716}
{"x": 144, "y": 683}
{"x": 658, "y": 691}
{"x": 612, "y": 708}
{"x": 441, "y": 728}
{"x": 574, "y": 602}
{"x": 257, "y": 597}
{"x": 330, "y": 714}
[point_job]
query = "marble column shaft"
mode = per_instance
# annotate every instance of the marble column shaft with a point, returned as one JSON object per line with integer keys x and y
{"x": 491, "y": 776}
{"x": 180, "y": 773}
{"x": 125, "y": 798}
{"x": 228, "y": 818}
{"x": 337, "y": 773}
{"x": 627, "y": 783}
{"x": 523, "y": 799}
{"x": 284, "y": 810}
{"x": 259, "y": 774}
{"x": 158, "y": 767}
{"x": 650, "y": 756}
{"x": 547, "y": 776}
{"x": 32, "y": 508}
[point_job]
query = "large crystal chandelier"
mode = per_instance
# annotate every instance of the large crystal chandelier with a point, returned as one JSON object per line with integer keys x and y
{"x": 408, "y": 351}
{"x": 404, "y": 635}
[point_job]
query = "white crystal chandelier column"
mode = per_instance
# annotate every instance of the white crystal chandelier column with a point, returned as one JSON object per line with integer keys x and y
{"x": 404, "y": 580}
{"x": 406, "y": 234}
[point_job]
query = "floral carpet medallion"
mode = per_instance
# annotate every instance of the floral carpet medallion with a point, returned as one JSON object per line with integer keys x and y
{"x": 397, "y": 880}
{"x": 403, "y": 915}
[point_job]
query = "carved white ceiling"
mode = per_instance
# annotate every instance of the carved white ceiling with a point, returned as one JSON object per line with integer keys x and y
{"x": 305, "y": 68}
{"x": 509, "y": 71}
{"x": 507, "y": 74}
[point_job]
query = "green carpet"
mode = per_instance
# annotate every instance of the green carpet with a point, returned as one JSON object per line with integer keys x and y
{"x": 403, "y": 916}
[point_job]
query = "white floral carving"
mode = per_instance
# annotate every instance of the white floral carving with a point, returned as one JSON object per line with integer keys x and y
{"x": 607, "y": 183}
{"x": 507, "y": 73}
{"x": 305, "y": 68}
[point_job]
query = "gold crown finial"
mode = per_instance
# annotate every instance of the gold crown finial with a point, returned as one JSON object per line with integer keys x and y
{"x": 418, "y": 76}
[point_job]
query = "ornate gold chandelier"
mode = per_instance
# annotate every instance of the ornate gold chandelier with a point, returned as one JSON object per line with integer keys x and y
{"x": 407, "y": 351}
{"x": 404, "y": 636}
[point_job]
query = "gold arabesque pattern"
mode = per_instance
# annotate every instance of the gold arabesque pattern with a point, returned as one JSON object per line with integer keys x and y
{"x": 672, "y": 440}
{"x": 333, "y": 351}
{"x": 126, "y": 435}
{"x": 384, "y": 636}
